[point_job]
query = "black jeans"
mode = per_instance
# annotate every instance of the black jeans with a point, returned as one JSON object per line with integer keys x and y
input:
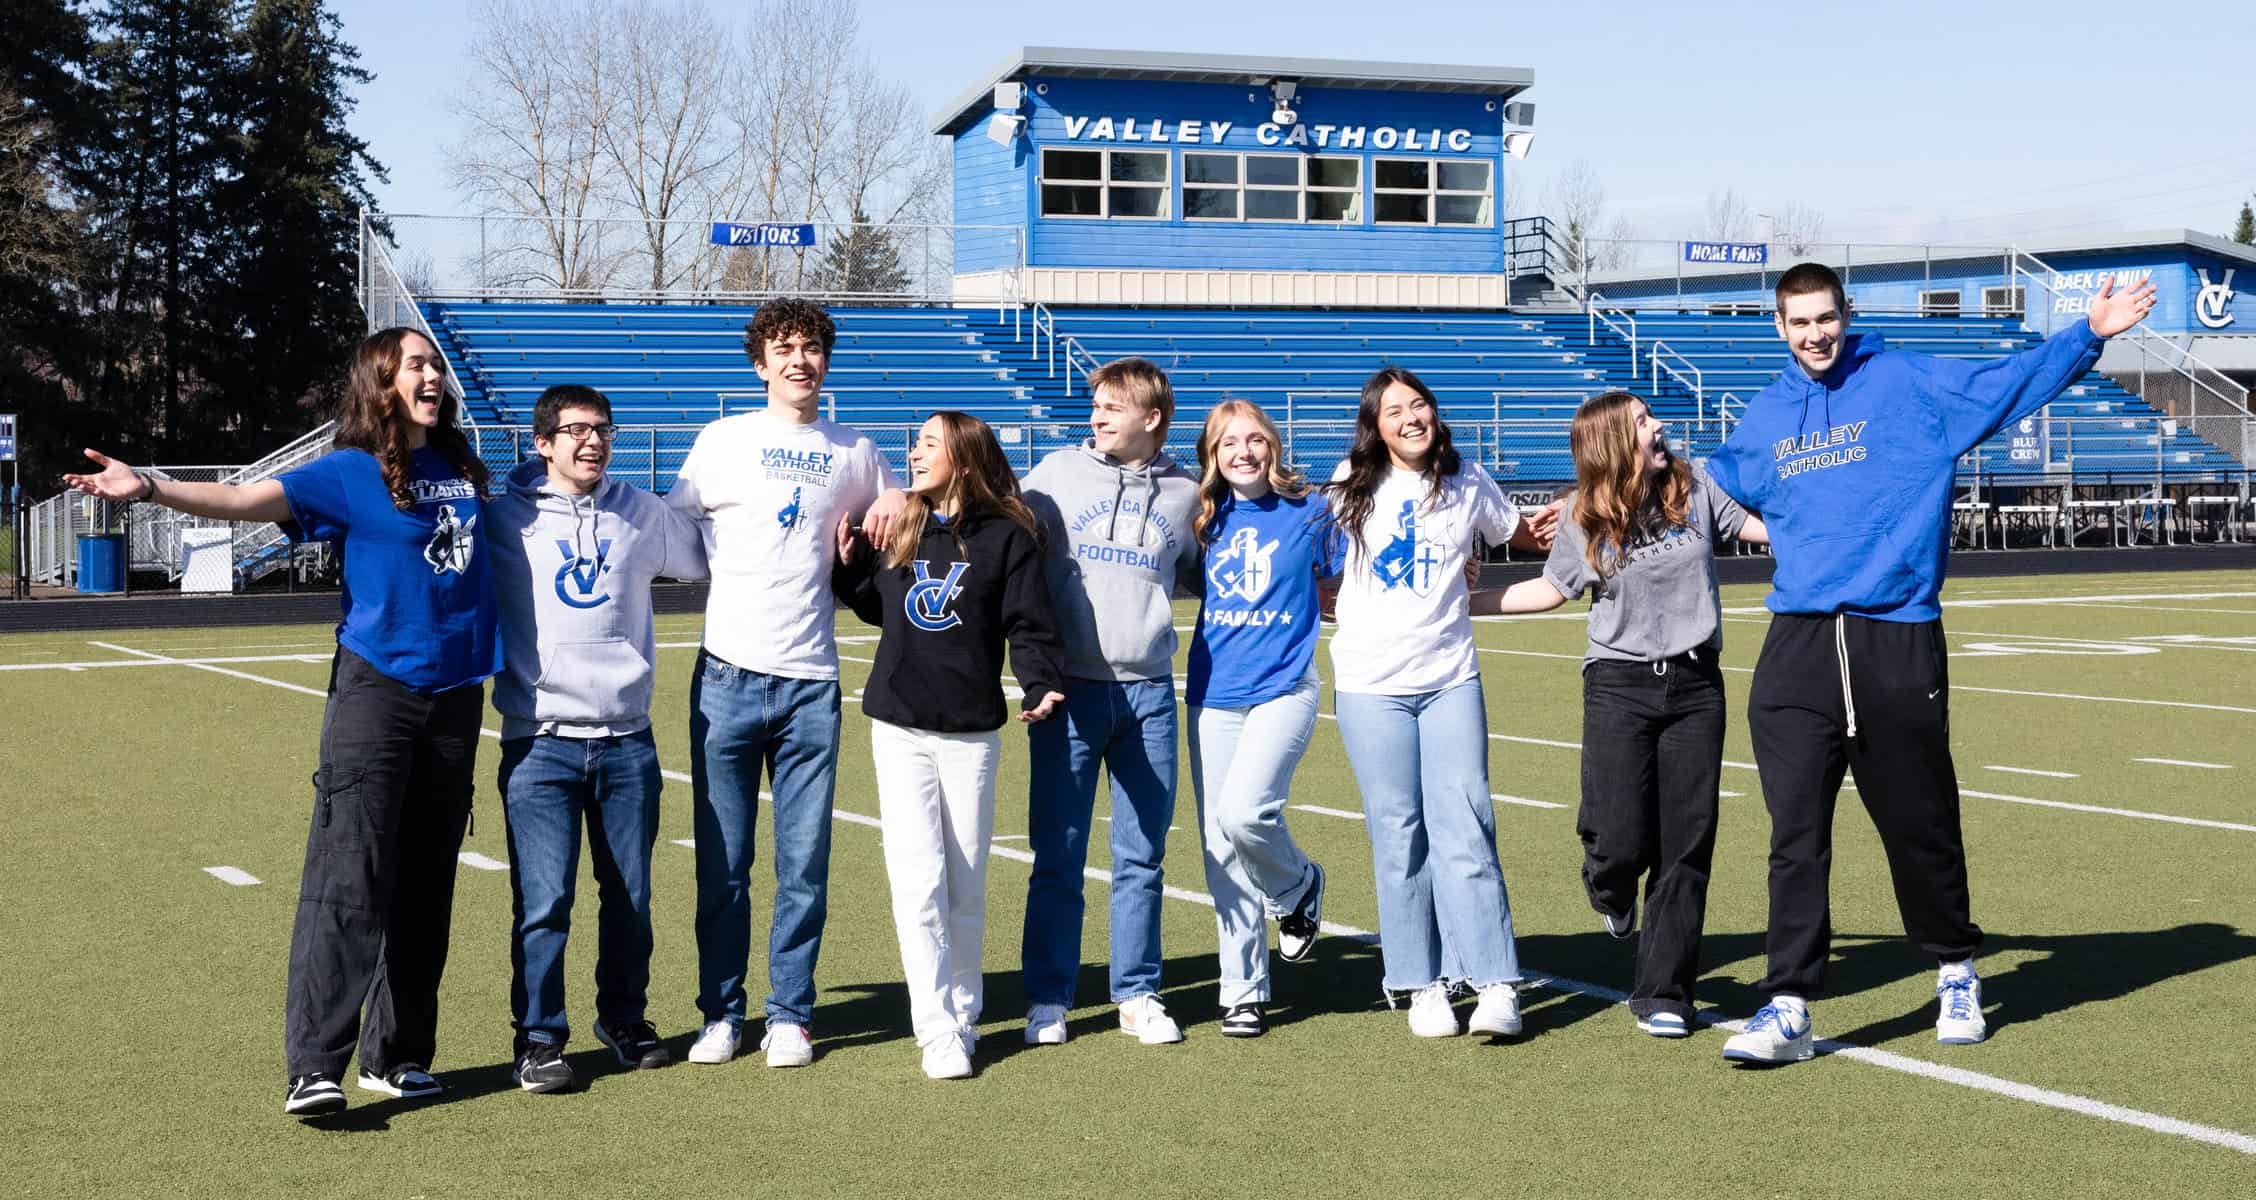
{"x": 391, "y": 798}
{"x": 1899, "y": 681}
{"x": 1652, "y": 744}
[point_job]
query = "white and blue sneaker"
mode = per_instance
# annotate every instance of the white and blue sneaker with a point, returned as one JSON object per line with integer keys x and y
{"x": 1960, "y": 991}
{"x": 1777, "y": 1034}
{"x": 1665, "y": 1025}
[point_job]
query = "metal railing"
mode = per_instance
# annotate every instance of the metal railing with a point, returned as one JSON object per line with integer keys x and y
{"x": 1681, "y": 369}
{"x": 1621, "y": 321}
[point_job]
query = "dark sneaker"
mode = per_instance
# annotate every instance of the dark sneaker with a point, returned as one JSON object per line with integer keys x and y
{"x": 541, "y": 1068}
{"x": 313, "y": 1095}
{"x": 1296, "y": 931}
{"x": 1243, "y": 1021}
{"x": 408, "y": 1080}
{"x": 635, "y": 1042}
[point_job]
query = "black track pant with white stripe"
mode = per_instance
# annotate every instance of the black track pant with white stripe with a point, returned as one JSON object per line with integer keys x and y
{"x": 1889, "y": 728}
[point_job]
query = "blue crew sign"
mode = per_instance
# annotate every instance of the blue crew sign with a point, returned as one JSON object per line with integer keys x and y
{"x": 7, "y": 437}
{"x": 730, "y": 233}
{"x": 1740, "y": 254}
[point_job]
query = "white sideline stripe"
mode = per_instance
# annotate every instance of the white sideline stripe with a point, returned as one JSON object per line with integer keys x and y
{"x": 2113, "y": 812}
{"x": 471, "y": 858}
{"x": 164, "y": 662}
{"x": 2181, "y": 762}
{"x": 2231, "y": 708}
{"x": 1896, "y": 1062}
{"x": 1322, "y": 811}
{"x": 2032, "y": 771}
{"x": 301, "y": 689}
{"x": 2021, "y": 601}
{"x": 1729, "y": 794}
{"x": 1522, "y": 801}
{"x": 234, "y": 875}
{"x": 686, "y": 843}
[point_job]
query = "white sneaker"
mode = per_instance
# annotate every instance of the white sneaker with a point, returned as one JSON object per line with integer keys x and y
{"x": 1430, "y": 1014}
{"x": 1774, "y": 1035}
{"x": 715, "y": 1044}
{"x": 1498, "y": 1013}
{"x": 947, "y": 1058}
{"x": 1045, "y": 1025}
{"x": 1960, "y": 991}
{"x": 1145, "y": 1018}
{"x": 1664, "y": 1025}
{"x": 787, "y": 1045}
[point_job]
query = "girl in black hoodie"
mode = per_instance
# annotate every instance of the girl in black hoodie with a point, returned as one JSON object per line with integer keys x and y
{"x": 961, "y": 575}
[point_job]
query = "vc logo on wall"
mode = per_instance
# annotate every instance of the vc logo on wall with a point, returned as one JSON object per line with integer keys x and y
{"x": 2212, "y": 305}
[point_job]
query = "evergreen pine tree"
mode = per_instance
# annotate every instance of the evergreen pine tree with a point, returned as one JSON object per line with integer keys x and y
{"x": 2244, "y": 229}
{"x": 862, "y": 261}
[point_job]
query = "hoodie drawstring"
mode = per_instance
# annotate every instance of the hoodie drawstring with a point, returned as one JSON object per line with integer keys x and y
{"x": 1841, "y": 655}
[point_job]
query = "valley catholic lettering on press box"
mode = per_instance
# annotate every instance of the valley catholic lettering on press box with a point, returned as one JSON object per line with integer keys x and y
{"x": 1152, "y": 130}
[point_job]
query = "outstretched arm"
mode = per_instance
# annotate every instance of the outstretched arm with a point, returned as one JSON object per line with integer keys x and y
{"x": 115, "y": 480}
{"x": 1978, "y": 399}
{"x": 1527, "y": 596}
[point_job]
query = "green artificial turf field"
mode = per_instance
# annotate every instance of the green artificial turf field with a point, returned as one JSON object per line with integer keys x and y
{"x": 2102, "y": 744}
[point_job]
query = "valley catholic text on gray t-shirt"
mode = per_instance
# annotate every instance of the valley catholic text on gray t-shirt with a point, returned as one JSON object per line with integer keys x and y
{"x": 1662, "y": 601}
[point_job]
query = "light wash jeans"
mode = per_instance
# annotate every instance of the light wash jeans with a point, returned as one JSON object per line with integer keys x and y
{"x": 1422, "y": 764}
{"x": 936, "y": 813}
{"x": 1242, "y": 762}
{"x": 739, "y": 723}
{"x": 1127, "y": 729}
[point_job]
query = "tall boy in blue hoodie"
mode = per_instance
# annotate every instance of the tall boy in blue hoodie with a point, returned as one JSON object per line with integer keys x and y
{"x": 1850, "y": 456}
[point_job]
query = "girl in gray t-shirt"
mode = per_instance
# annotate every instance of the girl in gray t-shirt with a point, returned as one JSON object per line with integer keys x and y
{"x": 1639, "y": 535}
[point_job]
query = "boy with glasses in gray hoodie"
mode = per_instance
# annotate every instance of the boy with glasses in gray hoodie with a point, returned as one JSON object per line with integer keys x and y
{"x": 1116, "y": 513}
{"x": 574, "y": 553}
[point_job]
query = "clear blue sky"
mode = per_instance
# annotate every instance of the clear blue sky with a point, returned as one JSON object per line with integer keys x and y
{"x": 1962, "y": 122}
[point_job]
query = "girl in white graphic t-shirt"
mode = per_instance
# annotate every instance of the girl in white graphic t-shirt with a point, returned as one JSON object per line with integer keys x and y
{"x": 1410, "y": 706}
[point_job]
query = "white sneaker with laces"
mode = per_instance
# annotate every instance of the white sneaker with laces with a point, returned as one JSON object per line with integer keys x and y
{"x": 716, "y": 1043}
{"x": 1498, "y": 1013}
{"x": 1045, "y": 1025}
{"x": 1960, "y": 1022}
{"x": 1430, "y": 1014}
{"x": 1145, "y": 1018}
{"x": 1775, "y": 1034}
{"x": 787, "y": 1045}
{"x": 947, "y": 1058}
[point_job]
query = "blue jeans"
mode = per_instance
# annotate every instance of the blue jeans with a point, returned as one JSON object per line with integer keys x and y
{"x": 547, "y": 785}
{"x": 1242, "y": 762}
{"x": 1422, "y": 764}
{"x": 740, "y": 722}
{"x": 1127, "y": 729}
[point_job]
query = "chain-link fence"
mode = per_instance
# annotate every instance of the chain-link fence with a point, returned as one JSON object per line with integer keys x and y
{"x": 1886, "y": 278}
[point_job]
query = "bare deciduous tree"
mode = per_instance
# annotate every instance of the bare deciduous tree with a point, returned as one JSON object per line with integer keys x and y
{"x": 1727, "y": 218}
{"x": 665, "y": 146}
{"x": 1576, "y": 200}
{"x": 1799, "y": 228}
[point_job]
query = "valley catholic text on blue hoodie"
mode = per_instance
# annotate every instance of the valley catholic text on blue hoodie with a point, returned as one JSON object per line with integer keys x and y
{"x": 1852, "y": 471}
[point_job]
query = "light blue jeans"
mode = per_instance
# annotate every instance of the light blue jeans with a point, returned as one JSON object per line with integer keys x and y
{"x": 1126, "y": 729}
{"x": 1242, "y": 762}
{"x": 1422, "y": 764}
{"x": 739, "y": 723}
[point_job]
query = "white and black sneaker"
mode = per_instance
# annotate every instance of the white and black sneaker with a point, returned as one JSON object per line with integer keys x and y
{"x": 541, "y": 1068}
{"x": 313, "y": 1095}
{"x": 1296, "y": 930}
{"x": 1620, "y": 925}
{"x": 1243, "y": 1021}
{"x": 408, "y": 1081}
{"x": 635, "y": 1042}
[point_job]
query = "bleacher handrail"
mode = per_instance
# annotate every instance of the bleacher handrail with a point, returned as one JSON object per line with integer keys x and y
{"x": 1605, "y": 312}
{"x": 1681, "y": 369}
{"x": 379, "y": 275}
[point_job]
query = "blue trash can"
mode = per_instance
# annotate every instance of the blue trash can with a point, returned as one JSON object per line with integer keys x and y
{"x": 101, "y": 563}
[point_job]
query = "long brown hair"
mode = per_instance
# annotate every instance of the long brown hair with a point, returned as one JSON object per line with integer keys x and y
{"x": 1368, "y": 461}
{"x": 983, "y": 484}
{"x": 1283, "y": 480}
{"x": 369, "y": 417}
{"x": 1615, "y": 495}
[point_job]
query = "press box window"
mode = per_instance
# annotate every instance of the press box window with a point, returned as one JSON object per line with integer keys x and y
{"x": 1939, "y": 303}
{"x": 1420, "y": 191}
{"x": 1104, "y": 183}
{"x": 1270, "y": 187}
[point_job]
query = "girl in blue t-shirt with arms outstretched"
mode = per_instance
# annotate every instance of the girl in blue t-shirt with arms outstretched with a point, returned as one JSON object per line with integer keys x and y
{"x": 402, "y": 494}
{"x": 1252, "y": 695}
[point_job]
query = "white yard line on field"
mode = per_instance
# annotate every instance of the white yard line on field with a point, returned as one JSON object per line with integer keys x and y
{"x": 2182, "y": 762}
{"x": 232, "y": 875}
{"x": 163, "y": 661}
{"x": 1322, "y": 811}
{"x": 2032, "y": 771}
{"x": 2024, "y": 601}
{"x": 2029, "y": 1093}
{"x": 471, "y": 858}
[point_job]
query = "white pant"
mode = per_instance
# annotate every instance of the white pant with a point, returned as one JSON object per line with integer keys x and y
{"x": 1242, "y": 762}
{"x": 936, "y": 810}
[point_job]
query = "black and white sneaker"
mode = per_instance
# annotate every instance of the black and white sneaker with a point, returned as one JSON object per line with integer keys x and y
{"x": 1243, "y": 1021}
{"x": 313, "y": 1095}
{"x": 635, "y": 1042}
{"x": 1296, "y": 931}
{"x": 408, "y": 1081}
{"x": 541, "y": 1068}
{"x": 1620, "y": 925}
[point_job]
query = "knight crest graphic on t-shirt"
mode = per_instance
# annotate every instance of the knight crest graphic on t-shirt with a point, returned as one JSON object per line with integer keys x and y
{"x": 929, "y": 602}
{"x": 451, "y": 542}
{"x": 1406, "y": 560}
{"x": 790, "y": 516}
{"x": 1240, "y": 569}
{"x": 579, "y": 582}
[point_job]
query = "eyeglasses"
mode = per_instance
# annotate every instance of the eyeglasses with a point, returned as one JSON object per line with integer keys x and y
{"x": 579, "y": 431}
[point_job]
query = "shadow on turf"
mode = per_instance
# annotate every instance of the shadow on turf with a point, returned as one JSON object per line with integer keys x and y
{"x": 470, "y": 1083}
